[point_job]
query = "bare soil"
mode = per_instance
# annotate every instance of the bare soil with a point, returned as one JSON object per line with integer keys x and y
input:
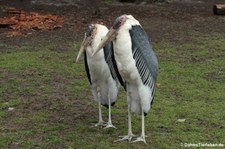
{"x": 170, "y": 21}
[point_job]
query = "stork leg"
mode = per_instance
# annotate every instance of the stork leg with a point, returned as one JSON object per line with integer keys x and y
{"x": 142, "y": 137}
{"x": 100, "y": 122}
{"x": 130, "y": 134}
{"x": 109, "y": 124}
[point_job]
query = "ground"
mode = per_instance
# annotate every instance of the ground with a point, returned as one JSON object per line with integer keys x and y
{"x": 45, "y": 97}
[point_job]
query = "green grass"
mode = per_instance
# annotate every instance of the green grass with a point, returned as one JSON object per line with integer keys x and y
{"x": 53, "y": 108}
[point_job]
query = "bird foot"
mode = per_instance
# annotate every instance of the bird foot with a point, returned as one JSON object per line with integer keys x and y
{"x": 109, "y": 125}
{"x": 100, "y": 123}
{"x": 141, "y": 138}
{"x": 128, "y": 137}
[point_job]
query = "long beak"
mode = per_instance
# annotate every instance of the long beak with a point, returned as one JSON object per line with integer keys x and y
{"x": 84, "y": 45}
{"x": 110, "y": 36}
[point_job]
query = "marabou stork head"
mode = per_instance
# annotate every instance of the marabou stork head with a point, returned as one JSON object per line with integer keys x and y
{"x": 122, "y": 22}
{"x": 88, "y": 38}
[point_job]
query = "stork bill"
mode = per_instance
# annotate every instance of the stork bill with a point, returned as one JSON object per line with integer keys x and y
{"x": 86, "y": 41}
{"x": 82, "y": 48}
{"x": 110, "y": 36}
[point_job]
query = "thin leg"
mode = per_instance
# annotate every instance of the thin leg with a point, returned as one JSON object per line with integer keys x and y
{"x": 129, "y": 121}
{"x": 109, "y": 124}
{"x": 100, "y": 122}
{"x": 130, "y": 134}
{"x": 142, "y": 137}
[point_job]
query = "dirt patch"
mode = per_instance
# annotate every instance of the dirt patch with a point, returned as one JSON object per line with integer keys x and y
{"x": 21, "y": 21}
{"x": 167, "y": 21}
{"x": 218, "y": 76}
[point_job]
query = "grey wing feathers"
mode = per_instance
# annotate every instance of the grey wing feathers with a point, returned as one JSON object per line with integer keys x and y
{"x": 144, "y": 71}
{"x": 87, "y": 68}
{"x": 110, "y": 59}
{"x": 146, "y": 61}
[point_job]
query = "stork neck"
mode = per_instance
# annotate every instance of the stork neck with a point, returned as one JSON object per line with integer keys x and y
{"x": 123, "y": 45}
{"x": 97, "y": 57}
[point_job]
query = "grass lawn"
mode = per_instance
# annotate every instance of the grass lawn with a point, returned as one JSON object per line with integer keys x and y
{"x": 46, "y": 100}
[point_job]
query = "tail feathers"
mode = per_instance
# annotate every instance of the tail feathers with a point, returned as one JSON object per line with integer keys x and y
{"x": 107, "y": 106}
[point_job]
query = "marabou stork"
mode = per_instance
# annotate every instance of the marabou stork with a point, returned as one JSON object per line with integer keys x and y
{"x": 101, "y": 70}
{"x": 137, "y": 64}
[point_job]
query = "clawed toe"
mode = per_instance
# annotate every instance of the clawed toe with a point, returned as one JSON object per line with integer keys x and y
{"x": 140, "y": 139}
{"x": 101, "y": 124}
{"x": 124, "y": 138}
{"x": 109, "y": 125}
{"x": 130, "y": 137}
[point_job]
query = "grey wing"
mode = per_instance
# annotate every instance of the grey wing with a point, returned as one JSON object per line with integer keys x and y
{"x": 146, "y": 60}
{"x": 87, "y": 68}
{"x": 110, "y": 59}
